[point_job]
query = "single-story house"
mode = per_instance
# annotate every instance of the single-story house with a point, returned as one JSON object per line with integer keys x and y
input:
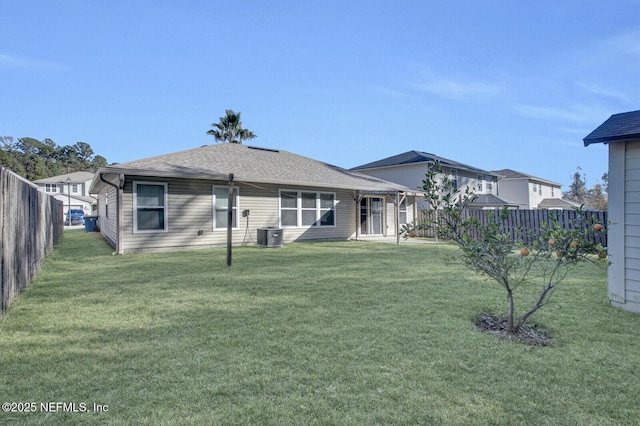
{"x": 622, "y": 133}
{"x": 180, "y": 200}
{"x": 72, "y": 189}
{"x": 409, "y": 169}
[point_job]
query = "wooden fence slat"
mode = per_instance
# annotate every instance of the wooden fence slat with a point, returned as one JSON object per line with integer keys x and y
{"x": 31, "y": 224}
{"x": 526, "y": 225}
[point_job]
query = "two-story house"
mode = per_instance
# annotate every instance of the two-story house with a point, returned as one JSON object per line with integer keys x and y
{"x": 409, "y": 169}
{"x": 72, "y": 189}
{"x": 531, "y": 192}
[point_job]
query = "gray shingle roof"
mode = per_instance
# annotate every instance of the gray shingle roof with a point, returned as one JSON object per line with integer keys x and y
{"x": 76, "y": 177}
{"x": 249, "y": 164}
{"x": 625, "y": 125}
{"x": 513, "y": 174}
{"x": 490, "y": 200}
{"x": 550, "y": 203}
{"x": 410, "y": 157}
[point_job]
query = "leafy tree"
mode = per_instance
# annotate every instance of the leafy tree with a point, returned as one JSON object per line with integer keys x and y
{"x": 98, "y": 161}
{"x": 578, "y": 188}
{"x": 9, "y": 160}
{"x": 229, "y": 129}
{"x": 605, "y": 182}
{"x": 491, "y": 251}
{"x": 67, "y": 158}
{"x": 34, "y": 159}
{"x": 597, "y": 197}
{"x": 84, "y": 153}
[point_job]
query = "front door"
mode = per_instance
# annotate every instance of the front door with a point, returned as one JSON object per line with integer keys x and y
{"x": 371, "y": 216}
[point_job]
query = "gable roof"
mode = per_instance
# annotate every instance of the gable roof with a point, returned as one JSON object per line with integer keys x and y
{"x": 623, "y": 126}
{"x": 513, "y": 174}
{"x": 248, "y": 164}
{"x": 411, "y": 157}
{"x": 76, "y": 177}
{"x": 549, "y": 203}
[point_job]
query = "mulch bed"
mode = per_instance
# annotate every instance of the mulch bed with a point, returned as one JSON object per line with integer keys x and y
{"x": 531, "y": 335}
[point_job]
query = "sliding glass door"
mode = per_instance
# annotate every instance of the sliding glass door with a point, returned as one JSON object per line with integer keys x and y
{"x": 371, "y": 216}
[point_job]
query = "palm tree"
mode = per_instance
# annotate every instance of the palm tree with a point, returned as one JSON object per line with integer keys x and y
{"x": 229, "y": 129}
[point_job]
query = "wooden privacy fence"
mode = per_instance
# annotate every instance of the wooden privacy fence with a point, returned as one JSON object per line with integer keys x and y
{"x": 31, "y": 222}
{"x": 528, "y": 222}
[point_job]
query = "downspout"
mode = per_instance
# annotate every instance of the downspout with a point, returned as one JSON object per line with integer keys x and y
{"x": 118, "y": 208}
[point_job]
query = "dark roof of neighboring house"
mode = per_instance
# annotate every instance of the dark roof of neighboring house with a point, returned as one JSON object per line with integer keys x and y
{"x": 248, "y": 164}
{"x": 618, "y": 127}
{"x": 411, "y": 157}
{"x": 512, "y": 174}
{"x": 490, "y": 200}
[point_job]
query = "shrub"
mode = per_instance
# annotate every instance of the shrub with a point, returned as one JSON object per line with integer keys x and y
{"x": 495, "y": 253}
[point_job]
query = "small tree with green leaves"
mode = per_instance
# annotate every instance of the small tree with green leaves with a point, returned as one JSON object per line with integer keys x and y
{"x": 501, "y": 254}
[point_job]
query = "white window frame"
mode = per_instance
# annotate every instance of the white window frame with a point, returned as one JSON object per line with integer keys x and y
{"x": 453, "y": 175}
{"x": 489, "y": 184}
{"x": 299, "y": 209}
{"x": 535, "y": 187}
{"x": 236, "y": 206}
{"x": 50, "y": 187}
{"x": 480, "y": 179}
{"x": 165, "y": 208}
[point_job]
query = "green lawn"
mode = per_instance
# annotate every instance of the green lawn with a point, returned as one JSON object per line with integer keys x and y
{"x": 319, "y": 333}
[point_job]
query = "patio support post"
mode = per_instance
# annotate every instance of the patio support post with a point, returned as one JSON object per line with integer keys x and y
{"x": 357, "y": 199}
{"x": 397, "y": 225}
{"x": 230, "y": 219}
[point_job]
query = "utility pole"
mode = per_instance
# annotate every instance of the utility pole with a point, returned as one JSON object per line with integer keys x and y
{"x": 69, "y": 199}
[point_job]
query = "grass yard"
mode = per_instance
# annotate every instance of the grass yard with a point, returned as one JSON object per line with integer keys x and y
{"x": 319, "y": 333}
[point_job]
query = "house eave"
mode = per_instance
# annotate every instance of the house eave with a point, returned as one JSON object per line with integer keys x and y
{"x": 113, "y": 173}
{"x": 608, "y": 139}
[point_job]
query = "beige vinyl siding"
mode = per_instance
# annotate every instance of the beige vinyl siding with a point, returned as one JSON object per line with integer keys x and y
{"x": 345, "y": 218}
{"x": 390, "y": 214}
{"x": 389, "y": 217}
{"x": 108, "y": 225}
{"x": 409, "y": 175}
{"x": 189, "y": 212}
{"x": 632, "y": 223}
{"x": 516, "y": 191}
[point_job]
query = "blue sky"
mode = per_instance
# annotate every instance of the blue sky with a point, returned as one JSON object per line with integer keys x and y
{"x": 494, "y": 84}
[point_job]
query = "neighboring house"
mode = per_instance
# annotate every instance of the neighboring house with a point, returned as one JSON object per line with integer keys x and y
{"x": 622, "y": 133}
{"x": 409, "y": 169}
{"x": 71, "y": 188}
{"x": 180, "y": 200}
{"x": 530, "y": 192}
